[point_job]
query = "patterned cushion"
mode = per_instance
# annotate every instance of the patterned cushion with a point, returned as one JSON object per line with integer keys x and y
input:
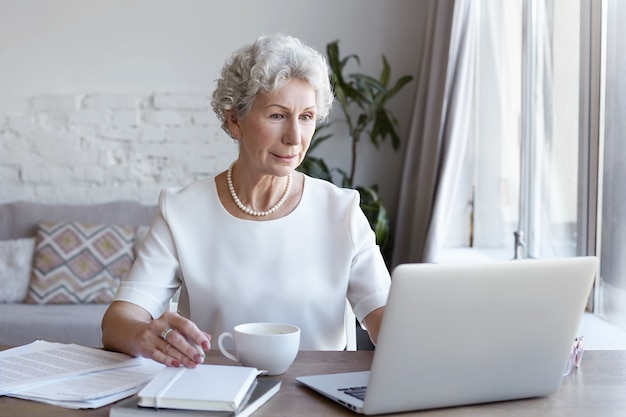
{"x": 79, "y": 263}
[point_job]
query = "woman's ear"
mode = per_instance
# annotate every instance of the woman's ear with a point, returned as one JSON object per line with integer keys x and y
{"x": 233, "y": 124}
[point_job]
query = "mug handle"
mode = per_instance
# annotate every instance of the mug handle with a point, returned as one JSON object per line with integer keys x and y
{"x": 223, "y": 350}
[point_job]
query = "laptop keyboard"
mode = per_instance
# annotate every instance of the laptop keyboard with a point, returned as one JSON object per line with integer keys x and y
{"x": 356, "y": 392}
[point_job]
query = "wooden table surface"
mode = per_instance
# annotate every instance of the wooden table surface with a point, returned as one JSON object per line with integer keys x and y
{"x": 597, "y": 389}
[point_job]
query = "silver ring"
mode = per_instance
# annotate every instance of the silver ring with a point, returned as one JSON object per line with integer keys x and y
{"x": 165, "y": 332}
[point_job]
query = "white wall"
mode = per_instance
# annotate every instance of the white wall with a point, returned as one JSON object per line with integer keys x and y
{"x": 107, "y": 99}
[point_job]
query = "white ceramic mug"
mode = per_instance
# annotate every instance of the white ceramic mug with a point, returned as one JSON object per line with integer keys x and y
{"x": 270, "y": 347}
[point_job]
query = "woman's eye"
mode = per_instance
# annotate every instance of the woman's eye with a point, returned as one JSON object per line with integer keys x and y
{"x": 307, "y": 116}
{"x": 276, "y": 116}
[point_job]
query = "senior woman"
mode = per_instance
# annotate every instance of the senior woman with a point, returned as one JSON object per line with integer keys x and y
{"x": 260, "y": 241}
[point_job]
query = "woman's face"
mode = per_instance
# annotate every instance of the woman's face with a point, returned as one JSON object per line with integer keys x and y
{"x": 276, "y": 133}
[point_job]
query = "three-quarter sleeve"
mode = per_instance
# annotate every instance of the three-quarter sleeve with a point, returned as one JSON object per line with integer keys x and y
{"x": 153, "y": 278}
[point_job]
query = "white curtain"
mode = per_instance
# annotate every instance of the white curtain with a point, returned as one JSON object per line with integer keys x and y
{"x": 439, "y": 132}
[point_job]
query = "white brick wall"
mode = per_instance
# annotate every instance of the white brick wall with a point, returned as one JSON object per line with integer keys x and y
{"x": 103, "y": 147}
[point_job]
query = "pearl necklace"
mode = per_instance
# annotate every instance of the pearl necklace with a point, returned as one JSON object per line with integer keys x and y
{"x": 247, "y": 210}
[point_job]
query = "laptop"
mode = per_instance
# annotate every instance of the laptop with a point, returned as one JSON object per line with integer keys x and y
{"x": 466, "y": 334}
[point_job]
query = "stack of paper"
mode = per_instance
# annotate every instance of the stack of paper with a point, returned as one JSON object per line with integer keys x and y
{"x": 72, "y": 376}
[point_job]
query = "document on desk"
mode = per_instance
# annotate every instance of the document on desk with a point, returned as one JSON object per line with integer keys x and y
{"x": 39, "y": 362}
{"x": 94, "y": 389}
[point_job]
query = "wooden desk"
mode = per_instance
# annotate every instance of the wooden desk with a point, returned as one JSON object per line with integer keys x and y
{"x": 597, "y": 389}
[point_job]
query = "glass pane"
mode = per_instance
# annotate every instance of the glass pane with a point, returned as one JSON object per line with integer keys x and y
{"x": 612, "y": 288}
{"x": 496, "y": 193}
{"x": 486, "y": 204}
{"x": 549, "y": 213}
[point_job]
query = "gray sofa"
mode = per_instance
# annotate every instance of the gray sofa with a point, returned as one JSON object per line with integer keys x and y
{"x": 22, "y": 323}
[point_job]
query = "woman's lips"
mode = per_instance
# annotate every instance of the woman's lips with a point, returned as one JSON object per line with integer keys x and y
{"x": 286, "y": 158}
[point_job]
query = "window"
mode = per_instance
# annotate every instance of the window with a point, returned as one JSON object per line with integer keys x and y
{"x": 548, "y": 146}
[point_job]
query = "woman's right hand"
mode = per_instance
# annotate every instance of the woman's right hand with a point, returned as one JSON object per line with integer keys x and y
{"x": 170, "y": 339}
{"x": 173, "y": 340}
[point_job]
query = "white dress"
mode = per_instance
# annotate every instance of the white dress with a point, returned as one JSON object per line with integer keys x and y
{"x": 298, "y": 269}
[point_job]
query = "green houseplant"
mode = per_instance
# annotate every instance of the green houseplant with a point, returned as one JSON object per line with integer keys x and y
{"x": 363, "y": 101}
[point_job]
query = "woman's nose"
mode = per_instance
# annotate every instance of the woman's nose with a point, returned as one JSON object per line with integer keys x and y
{"x": 292, "y": 133}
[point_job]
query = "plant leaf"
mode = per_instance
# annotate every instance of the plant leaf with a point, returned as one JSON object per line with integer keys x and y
{"x": 316, "y": 168}
{"x": 398, "y": 86}
{"x": 385, "y": 74}
{"x": 345, "y": 178}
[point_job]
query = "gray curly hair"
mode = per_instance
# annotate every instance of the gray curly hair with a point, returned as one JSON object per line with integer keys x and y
{"x": 263, "y": 67}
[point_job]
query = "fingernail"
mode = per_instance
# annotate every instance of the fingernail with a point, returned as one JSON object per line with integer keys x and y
{"x": 206, "y": 345}
{"x": 176, "y": 364}
{"x": 198, "y": 358}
